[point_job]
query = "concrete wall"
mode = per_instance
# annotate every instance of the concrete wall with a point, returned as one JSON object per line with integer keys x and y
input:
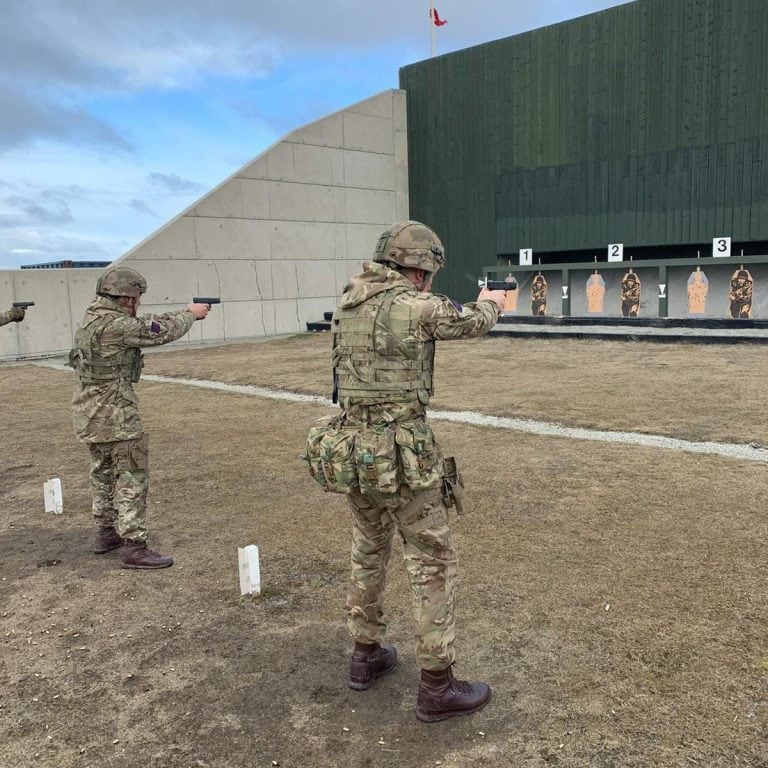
{"x": 276, "y": 241}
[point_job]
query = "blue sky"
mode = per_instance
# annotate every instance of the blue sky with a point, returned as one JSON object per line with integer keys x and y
{"x": 115, "y": 116}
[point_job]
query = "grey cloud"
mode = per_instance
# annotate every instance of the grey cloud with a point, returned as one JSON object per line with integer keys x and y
{"x": 32, "y": 46}
{"x": 68, "y": 191}
{"x": 26, "y": 212}
{"x": 172, "y": 182}
{"x": 22, "y": 116}
{"x": 141, "y": 207}
{"x": 28, "y": 247}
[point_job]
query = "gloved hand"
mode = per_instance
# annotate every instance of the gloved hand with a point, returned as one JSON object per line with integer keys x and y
{"x": 17, "y": 314}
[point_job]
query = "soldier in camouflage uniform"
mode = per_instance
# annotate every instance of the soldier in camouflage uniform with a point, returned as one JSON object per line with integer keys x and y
{"x": 108, "y": 360}
{"x": 13, "y": 315}
{"x": 384, "y": 334}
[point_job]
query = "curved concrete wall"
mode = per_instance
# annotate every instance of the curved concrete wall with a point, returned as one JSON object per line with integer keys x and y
{"x": 276, "y": 241}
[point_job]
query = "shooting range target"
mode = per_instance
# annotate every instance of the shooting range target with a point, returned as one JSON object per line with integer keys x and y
{"x": 539, "y": 296}
{"x": 630, "y": 294}
{"x": 595, "y": 294}
{"x": 698, "y": 288}
{"x": 740, "y": 293}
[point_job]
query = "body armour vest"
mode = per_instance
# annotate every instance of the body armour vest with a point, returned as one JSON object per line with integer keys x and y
{"x": 376, "y": 355}
{"x": 90, "y": 364}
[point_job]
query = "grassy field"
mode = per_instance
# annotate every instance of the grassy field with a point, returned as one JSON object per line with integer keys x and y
{"x": 614, "y": 597}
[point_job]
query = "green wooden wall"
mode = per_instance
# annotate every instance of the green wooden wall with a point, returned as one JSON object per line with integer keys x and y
{"x": 645, "y": 124}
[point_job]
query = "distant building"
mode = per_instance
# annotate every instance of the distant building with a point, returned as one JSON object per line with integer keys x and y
{"x": 643, "y": 125}
{"x": 68, "y": 264}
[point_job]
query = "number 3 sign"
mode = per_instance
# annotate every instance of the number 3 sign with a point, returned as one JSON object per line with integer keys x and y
{"x": 721, "y": 246}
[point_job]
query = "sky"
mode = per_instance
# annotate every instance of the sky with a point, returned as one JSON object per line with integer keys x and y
{"x": 117, "y": 116}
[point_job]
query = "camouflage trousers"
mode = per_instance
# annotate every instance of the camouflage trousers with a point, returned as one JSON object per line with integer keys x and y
{"x": 119, "y": 484}
{"x": 430, "y": 560}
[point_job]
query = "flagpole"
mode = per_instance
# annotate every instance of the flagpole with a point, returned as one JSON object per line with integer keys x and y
{"x": 432, "y": 26}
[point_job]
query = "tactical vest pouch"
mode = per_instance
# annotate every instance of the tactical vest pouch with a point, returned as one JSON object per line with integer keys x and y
{"x": 312, "y": 455}
{"x": 135, "y": 363}
{"x": 330, "y": 455}
{"x": 376, "y": 459}
{"x": 418, "y": 455}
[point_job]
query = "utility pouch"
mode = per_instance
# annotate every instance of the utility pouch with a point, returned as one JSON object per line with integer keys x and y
{"x": 376, "y": 459}
{"x": 418, "y": 455}
{"x": 312, "y": 455}
{"x": 330, "y": 456}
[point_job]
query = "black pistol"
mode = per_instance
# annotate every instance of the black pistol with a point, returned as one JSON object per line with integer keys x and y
{"x": 23, "y": 304}
{"x": 205, "y": 300}
{"x": 501, "y": 285}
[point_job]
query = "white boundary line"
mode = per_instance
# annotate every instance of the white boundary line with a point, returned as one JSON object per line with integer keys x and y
{"x": 530, "y": 426}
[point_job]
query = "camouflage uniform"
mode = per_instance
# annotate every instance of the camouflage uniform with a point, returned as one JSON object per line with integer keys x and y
{"x": 13, "y": 315}
{"x": 384, "y": 333}
{"x": 108, "y": 360}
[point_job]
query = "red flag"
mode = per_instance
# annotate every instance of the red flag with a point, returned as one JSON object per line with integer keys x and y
{"x": 436, "y": 20}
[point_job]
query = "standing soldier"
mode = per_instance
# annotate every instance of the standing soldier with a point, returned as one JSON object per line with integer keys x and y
{"x": 13, "y": 315}
{"x": 108, "y": 360}
{"x": 381, "y": 452}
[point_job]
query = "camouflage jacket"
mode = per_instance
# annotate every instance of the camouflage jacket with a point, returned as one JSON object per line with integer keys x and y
{"x": 385, "y": 339}
{"x": 6, "y": 317}
{"x": 108, "y": 360}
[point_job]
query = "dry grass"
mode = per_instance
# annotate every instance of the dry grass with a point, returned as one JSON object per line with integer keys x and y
{"x": 690, "y": 391}
{"x": 614, "y": 597}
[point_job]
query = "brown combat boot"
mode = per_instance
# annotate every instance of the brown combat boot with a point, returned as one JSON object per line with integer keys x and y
{"x": 370, "y": 662}
{"x": 442, "y": 696}
{"x": 106, "y": 540}
{"x": 136, "y": 554}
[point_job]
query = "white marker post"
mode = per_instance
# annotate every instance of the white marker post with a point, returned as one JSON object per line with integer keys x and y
{"x": 54, "y": 501}
{"x": 616, "y": 252}
{"x": 250, "y": 576}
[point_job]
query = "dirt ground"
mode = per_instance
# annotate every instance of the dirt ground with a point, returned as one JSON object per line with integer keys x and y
{"x": 614, "y": 597}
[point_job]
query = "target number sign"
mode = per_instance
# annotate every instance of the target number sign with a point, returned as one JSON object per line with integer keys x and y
{"x": 721, "y": 247}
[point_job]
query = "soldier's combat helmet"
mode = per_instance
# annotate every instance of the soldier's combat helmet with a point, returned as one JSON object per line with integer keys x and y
{"x": 410, "y": 244}
{"x": 121, "y": 281}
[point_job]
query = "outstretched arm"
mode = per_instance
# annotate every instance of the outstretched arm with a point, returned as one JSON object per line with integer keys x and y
{"x": 445, "y": 319}
{"x": 15, "y": 315}
{"x": 150, "y": 330}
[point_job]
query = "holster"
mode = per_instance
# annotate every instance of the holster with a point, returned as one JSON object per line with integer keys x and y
{"x": 453, "y": 485}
